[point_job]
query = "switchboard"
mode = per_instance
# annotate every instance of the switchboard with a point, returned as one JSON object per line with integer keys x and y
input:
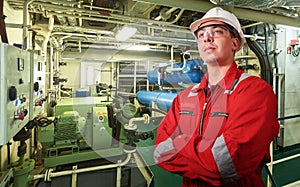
{"x": 15, "y": 90}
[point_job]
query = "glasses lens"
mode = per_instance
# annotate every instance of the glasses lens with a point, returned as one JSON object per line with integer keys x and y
{"x": 214, "y": 30}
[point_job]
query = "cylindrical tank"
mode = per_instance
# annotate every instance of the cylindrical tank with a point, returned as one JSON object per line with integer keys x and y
{"x": 162, "y": 99}
{"x": 191, "y": 73}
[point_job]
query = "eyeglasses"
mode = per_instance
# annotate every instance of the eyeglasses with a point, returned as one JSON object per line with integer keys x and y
{"x": 214, "y": 30}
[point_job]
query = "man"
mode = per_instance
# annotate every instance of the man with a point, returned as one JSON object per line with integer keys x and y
{"x": 218, "y": 132}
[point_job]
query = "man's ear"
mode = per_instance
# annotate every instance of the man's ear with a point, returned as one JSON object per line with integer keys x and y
{"x": 235, "y": 44}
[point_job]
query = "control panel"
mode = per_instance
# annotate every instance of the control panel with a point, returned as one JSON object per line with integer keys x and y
{"x": 37, "y": 84}
{"x": 15, "y": 90}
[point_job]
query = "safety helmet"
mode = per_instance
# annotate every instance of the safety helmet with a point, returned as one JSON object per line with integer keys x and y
{"x": 220, "y": 14}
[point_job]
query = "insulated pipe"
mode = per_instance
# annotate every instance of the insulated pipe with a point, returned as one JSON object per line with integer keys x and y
{"x": 49, "y": 174}
{"x": 241, "y": 13}
{"x": 167, "y": 13}
{"x": 109, "y": 16}
{"x": 64, "y": 28}
{"x": 178, "y": 16}
{"x": 169, "y": 27}
{"x": 25, "y": 15}
{"x": 162, "y": 99}
{"x": 47, "y": 37}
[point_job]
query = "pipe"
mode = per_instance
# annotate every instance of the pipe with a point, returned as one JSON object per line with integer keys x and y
{"x": 49, "y": 174}
{"x": 51, "y": 72}
{"x": 145, "y": 118}
{"x": 111, "y": 18}
{"x": 169, "y": 27}
{"x": 178, "y": 16}
{"x": 241, "y": 13}
{"x": 47, "y": 37}
{"x": 171, "y": 68}
{"x": 117, "y": 17}
{"x": 167, "y": 13}
{"x": 65, "y": 28}
{"x": 118, "y": 178}
{"x": 25, "y": 15}
{"x": 285, "y": 159}
{"x": 74, "y": 178}
{"x": 153, "y": 40}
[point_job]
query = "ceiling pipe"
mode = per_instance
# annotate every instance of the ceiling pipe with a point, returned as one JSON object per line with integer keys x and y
{"x": 47, "y": 37}
{"x": 241, "y": 13}
{"x": 63, "y": 28}
{"x": 109, "y": 17}
{"x": 168, "y": 12}
{"x": 173, "y": 28}
{"x": 169, "y": 28}
{"x": 178, "y": 16}
{"x": 112, "y": 47}
{"x": 25, "y": 23}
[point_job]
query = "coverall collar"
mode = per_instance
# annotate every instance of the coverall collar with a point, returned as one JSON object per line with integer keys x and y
{"x": 225, "y": 83}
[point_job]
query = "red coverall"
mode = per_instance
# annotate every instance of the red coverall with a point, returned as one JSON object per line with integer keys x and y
{"x": 230, "y": 144}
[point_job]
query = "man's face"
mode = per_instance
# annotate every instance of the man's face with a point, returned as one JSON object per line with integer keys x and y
{"x": 215, "y": 43}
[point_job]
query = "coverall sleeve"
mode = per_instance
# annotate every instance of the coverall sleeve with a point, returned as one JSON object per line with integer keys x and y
{"x": 248, "y": 131}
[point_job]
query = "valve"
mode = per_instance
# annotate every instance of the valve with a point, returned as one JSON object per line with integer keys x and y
{"x": 20, "y": 116}
{"x": 293, "y": 48}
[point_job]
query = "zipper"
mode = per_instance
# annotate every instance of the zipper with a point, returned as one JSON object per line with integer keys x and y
{"x": 204, "y": 110}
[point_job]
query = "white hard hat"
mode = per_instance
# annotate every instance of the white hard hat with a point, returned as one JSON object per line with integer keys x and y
{"x": 219, "y": 14}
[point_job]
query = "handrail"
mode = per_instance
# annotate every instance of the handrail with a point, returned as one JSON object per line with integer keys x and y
{"x": 288, "y": 117}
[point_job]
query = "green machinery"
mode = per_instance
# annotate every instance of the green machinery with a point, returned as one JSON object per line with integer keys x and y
{"x": 91, "y": 141}
{"x": 94, "y": 145}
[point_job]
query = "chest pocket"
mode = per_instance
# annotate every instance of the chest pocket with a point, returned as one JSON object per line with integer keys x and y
{"x": 189, "y": 115}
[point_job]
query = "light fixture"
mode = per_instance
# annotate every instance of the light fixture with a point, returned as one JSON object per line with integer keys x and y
{"x": 125, "y": 32}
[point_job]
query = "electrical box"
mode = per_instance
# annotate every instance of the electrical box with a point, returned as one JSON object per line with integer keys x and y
{"x": 15, "y": 90}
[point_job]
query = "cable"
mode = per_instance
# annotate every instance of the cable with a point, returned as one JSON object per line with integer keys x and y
{"x": 41, "y": 122}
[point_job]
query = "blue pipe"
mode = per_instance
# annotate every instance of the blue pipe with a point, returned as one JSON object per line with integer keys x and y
{"x": 189, "y": 74}
{"x": 162, "y": 99}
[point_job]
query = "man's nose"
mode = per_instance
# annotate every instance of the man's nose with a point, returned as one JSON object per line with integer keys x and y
{"x": 208, "y": 36}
